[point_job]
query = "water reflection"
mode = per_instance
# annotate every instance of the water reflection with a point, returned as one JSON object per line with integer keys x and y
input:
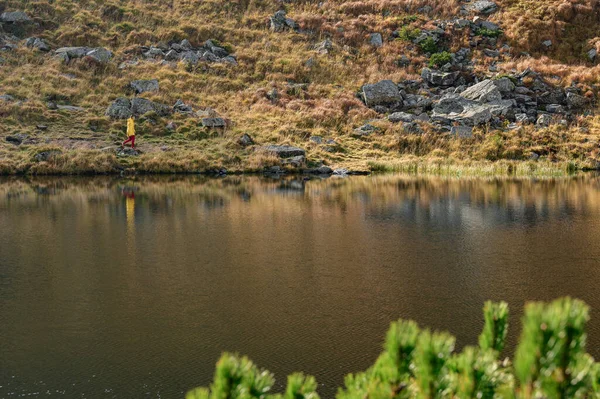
{"x": 129, "y": 286}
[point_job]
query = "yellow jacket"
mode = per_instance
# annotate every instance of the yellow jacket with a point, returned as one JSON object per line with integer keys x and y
{"x": 130, "y": 127}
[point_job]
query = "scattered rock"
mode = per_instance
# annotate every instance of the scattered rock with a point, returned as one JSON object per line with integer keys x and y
{"x": 401, "y": 117}
{"x": 482, "y": 7}
{"x": 547, "y": 44}
{"x": 576, "y": 101}
{"x": 127, "y": 152}
{"x": 279, "y": 22}
{"x": 182, "y": 108}
{"x": 316, "y": 139}
{"x": 100, "y": 55}
{"x": 120, "y": 109}
{"x": 15, "y": 17}
{"x": 375, "y": 40}
{"x": 341, "y": 172}
{"x": 364, "y": 130}
{"x": 45, "y": 156}
{"x": 214, "y": 122}
{"x": 592, "y": 54}
{"x": 285, "y": 151}
{"x": 544, "y": 120}
{"x": 382, "y": 93}
{"x": 36, "y": 43}
{"x": 295, "y": 161}
{"x": 325, "y": 47}
{"x": 484, "y": 92}
{"x": 555, "y": 109}
{"x": 171, "y": 126}
{"x": 505, "y": 85}
{"x": 245, "y": 140}
{"x": 17, "y": 139}
{"x": 142, "y": 86}
{"x": 7, "y": 98}
{"x": 437, "y": 78}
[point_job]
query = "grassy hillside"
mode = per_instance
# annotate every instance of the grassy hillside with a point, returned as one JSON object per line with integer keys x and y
{"x": 283, "y": 89}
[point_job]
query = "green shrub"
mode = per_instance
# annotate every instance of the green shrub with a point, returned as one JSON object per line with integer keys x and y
{"x": 488, "y": 32}
{"x": 408, "y": 34}
{"x": 429, "y": 45}
{"x": 440, "y": 59}
{"x": 550, "y": 362}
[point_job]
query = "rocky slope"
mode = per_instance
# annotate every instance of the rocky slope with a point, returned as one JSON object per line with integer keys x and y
{"x": 298, "y": 85}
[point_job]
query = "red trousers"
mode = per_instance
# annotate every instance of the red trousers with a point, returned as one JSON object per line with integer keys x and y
{"x": 130, "y": 139}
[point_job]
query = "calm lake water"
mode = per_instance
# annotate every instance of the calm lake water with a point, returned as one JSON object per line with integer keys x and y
{"x": 131, "y": 288}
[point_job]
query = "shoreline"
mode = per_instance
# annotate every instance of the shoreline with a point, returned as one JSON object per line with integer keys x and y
{"x": 66, "y": 166}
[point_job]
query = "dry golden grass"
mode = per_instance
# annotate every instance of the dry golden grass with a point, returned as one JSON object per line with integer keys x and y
{"x": 267, "y": 60}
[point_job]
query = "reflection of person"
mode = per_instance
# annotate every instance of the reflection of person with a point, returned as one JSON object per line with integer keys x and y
{"x": 130, "y": 132}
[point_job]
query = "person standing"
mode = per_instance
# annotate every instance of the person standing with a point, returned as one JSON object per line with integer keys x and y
{"x": 130, "y": 133}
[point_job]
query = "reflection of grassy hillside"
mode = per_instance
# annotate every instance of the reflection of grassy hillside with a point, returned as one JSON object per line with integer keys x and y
{"x": 267, "y": 60}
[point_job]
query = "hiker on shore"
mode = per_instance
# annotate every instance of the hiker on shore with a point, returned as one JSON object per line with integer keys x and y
{"x": 130, "y": 133}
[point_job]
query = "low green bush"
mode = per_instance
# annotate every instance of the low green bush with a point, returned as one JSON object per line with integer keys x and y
{"x": 429, "y": 46}
{"x": 440, "y": 59}
{"x": 550, "y": 362}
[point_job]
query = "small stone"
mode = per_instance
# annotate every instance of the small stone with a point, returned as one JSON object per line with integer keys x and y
{"x": 547, "y": 44}
{"x": 214, "y": 122}
{"x": 171, "y": 126}
{"x": 592, "y": 55}
{"x": 401, "y": 117}
{"x": 376, "y": 40}
{"x": 316, "y": 139}
{"x": 544, "y": 120}
{"x": 15, "y": 17}
{"x": 142, "y": 86}
{"x": 381, "y": 93}
{"x": 555, "y": 109}
{"x": 245, "y": 140}
{"x": 285, "y": 151}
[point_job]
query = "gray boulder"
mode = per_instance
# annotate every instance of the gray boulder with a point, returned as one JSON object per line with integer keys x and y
{"x": 285, "y": 151}
{"x": 482, "y": 7}
{"x": 142, "y": 86}
{"x": 279, "y": 22}
{"x": 437, "y": 78}
{"x": 505, "y": 85}
{"x": 141, "y": 106}
{"x": 376, "y": 40}
{"x": 72, "y": 52}
{"x": 190, "y": 57}
{"x": 182, "y": 107}
{"x": 214, "y": 122}
{"x": 245, "y": 140}
{"x": 37, "y": 43}
{"x": 15, "y": 17}
{"x": 119, "y": 109}
{"x": 484, "y": 91}
{"x": 101, "y": 55}
{"x": 401, "y": 117}
{"x": 384, "y": 92}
